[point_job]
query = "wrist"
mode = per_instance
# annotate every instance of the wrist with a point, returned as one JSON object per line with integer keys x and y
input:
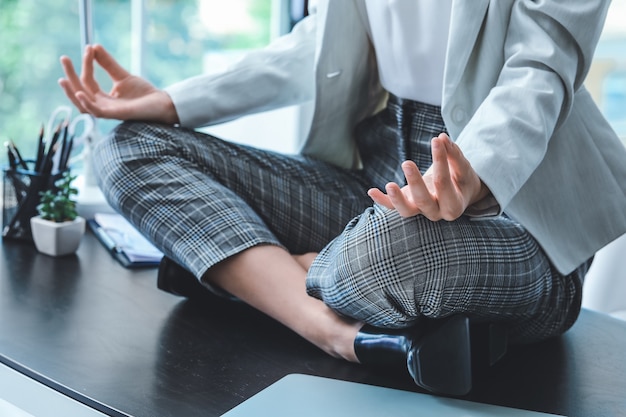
{"x": 168, "y": 110}
{"x": 482, "y": 192}
{"x": 484, "y": 204}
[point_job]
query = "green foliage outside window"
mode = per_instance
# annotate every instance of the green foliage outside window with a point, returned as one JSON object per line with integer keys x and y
{"x": 34, "y": 34}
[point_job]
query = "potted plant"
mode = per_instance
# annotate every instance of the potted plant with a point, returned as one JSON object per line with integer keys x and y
{"x": 58, "y": 228}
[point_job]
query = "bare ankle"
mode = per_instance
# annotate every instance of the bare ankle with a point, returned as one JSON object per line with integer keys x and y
{"x": 337, "y": 337}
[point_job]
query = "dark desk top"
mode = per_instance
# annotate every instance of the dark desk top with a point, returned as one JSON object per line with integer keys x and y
{"x": 106, "y": 336}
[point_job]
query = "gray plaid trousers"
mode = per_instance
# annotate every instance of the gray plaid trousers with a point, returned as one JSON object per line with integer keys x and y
{"x": 201, "y": 200}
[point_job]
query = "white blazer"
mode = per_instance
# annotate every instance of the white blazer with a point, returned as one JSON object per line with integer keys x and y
{"x": 513, "y": 100}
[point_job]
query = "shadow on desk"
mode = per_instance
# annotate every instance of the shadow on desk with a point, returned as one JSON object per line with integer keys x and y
{"x": 233, "y": 352}
{"x": 580, "y": 374}
{"x": 109, "y": 338}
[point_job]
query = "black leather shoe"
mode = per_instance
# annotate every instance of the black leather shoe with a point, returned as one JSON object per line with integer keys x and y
{"x": 176, "y": 280}
{"x": 436, "y": 353}
{"x": 439, "y": 354}
{"x": 489, "y": 344}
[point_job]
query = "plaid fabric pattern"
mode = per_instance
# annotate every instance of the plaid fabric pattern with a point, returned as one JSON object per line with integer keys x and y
{"x": 388, "y": 271}
{"x": 202, "y": 200}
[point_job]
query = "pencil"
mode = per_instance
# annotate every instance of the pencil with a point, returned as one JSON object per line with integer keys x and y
{"x": 46, "y": 165}
{"x": 66, "y": 148}
{"x": 20, "y": 161}
{"x": 40, "y": 150}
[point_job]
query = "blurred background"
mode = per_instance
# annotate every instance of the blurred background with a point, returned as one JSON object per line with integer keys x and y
{"x": 169, "y": 40}
{"x": 163, "y": 40}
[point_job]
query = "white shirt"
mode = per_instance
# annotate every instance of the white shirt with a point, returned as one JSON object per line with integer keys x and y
{"x": 410, "y": 38}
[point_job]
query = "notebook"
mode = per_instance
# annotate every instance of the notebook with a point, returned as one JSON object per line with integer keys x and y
{"x": 312, "y": 396}
{"x": 123, "y": 241}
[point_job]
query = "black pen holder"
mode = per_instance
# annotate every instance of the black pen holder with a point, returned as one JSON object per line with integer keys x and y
{"x": 21, "y": 196}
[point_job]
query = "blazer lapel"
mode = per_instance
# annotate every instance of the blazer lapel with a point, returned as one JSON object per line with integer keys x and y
{"x": 465, "y": 23}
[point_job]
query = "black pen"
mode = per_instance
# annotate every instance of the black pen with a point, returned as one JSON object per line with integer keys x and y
{"x": 11, "y": 157}
{"x": 66, "y": 148}
{"x": 14, "y": 160}
{"x": 46, "y": 165}
{"x": 18, "y": 156}
{"x": 40, "y": 151}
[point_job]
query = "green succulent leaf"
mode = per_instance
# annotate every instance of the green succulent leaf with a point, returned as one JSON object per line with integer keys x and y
{"x": 57, "y": 205}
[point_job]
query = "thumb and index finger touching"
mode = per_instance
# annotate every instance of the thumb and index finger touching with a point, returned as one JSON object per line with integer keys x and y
{"x": 81, "y": 90}
{"x": 103, "y": 58}
{"x": 109, "y": 64}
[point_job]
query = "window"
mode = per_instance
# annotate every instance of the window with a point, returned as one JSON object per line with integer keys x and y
{"x": 32, "y": 37}
{"x": 168, "y": 40}
{"x": 607, "y": 78}
{"x": 162, "y": 40}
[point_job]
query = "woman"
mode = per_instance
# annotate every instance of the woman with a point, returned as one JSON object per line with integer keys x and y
{"x": 458, "y": 110}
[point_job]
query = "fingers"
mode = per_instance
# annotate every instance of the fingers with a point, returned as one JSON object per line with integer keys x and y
{"x": 402, "y": 203}
{"x": 440, "y": 193}
{"x": 87, "y": 104}
{"x": 469, "y": 186}
{"x": 71, "y": 84}
{"x": 109, "y": 64}
{"x": 78, "y": 89}
{"x": 456, "y": 160}
{"x": 82, "y": 91}
{"x": 394, "y": 200}
{"x": 87, "y": 78}
{"x": 380, "y": 198}
{"x": 421, "y": 198}
{"x": 70, "y": 73}
{"x": 443, "y": 187}
{"x": 410, "y": 200}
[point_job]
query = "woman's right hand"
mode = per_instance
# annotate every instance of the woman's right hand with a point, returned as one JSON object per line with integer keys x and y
{"x": 445, "y": 190}
{"x": 130, "y": 98}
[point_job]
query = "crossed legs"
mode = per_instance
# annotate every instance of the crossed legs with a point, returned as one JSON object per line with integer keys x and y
{"x": 225, "y": 212}
{"x": 280, "y": 292}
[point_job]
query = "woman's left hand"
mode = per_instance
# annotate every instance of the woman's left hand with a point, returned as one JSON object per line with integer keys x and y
{"x": 445, "y": 190}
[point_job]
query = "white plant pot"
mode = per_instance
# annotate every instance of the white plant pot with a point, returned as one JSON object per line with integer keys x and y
{"x": 57, "y": 239}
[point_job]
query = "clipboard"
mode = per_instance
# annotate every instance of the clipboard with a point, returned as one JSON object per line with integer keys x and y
{"x": 124, "y": 242}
